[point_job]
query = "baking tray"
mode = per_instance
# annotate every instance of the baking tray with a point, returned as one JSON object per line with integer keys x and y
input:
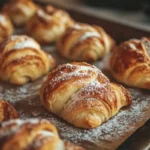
{"x": 111, "y": 134}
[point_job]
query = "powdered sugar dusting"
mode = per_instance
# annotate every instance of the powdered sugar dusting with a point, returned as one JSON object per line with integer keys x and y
{"x": 89, "y": 34}
{"x": 17, "y": 93}
{"x": 77, "y": 26}
{"x": 114, "y": 130}
{"x": 41, "y": 13}
{"x": 3, "y": 20}
{"x": 132, "y": 46}
{"x": 109, "y": 135}
{"x": 81, "y": 71}
{"x": 20, "y": 122}
{"x": 25, "y": 42}
{"x": 89, "y": 91}
{"x": 146, "y": 43}
{"x": 25, "y": 9}
{"x": 14, "y": 126}
{"x": 45, "y": 133}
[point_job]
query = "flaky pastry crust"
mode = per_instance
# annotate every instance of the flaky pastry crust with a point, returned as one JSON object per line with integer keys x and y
{"x": 6, "y": 27}
{"x": 31, "y": 134}
{"x": 82, "y": 95}
{"x": 20, "y": 11}
{"x": 48, "y": 24}
{"x": 83, "y": 42}
{"x": 130, "y": 63}
{"x": 22, "y": 60}
{"x": 7, "y": 111}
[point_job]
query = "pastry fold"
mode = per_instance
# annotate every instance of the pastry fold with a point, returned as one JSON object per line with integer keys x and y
{"x": 83, "y": 42}
{"x": 32, "y": 134}
{"x": 20, "y": 11}
{"x": 6, "y": 27}
{"x": 48, "y": 24}
{"x": 82, "y": 95}
{"x": 7, "y": 111}
{"x": 22, "y": 60}
{"x": 130, "y": 63}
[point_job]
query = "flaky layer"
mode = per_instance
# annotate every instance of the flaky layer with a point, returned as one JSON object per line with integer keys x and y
{"x": 130, "y": 63}
{"x": 7, "y": 111}
{"x": 22, "y": 60}
{"x": 83, "y": 42}
{"x": 32, "y": 134}
{"x": 6, "y": 27}
{"x": 82, "y": 95}
{"x": 20, "y": 11}
{"x": 48, "y": 24}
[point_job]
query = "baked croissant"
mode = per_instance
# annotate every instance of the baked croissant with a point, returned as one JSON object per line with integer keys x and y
{"x": 48, "y": 24}
{"x": 20, "y": 11}
{"x": 22, "y": 60}
{"x": 6, "y": 27}
{"x": 7, "y": 111}
{"x": 31, "y": 134}
{"x": 83, "y": 42}
{"x": 80, "y": 94}
{"x": 130, "y": 63}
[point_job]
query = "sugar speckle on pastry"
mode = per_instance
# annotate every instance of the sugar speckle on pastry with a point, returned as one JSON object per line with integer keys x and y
{"x": 22, "y": 60}
{"x": 83, "y": 42}
{"x": 48, "y": 24}
{"x": 82, "y": 95}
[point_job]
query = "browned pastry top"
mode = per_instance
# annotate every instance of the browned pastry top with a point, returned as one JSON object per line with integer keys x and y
{"x": 51, "y": 14}
{"x": 48, "y": 24}
{"x": 20, "y": 11}
{"x": 130, "y": 63}
{"x": 32, "y": 134}
{"x": 14, "y": 6}
{"x": 130, "y": 53}
{"x": 83, "y": 42}
{"x": 72, "y": 73}
{"x": 22, "y": 60}
{"x": 7, "y": 111}
{"x": 6, "y": 27}
{"x": 82, "y": 95}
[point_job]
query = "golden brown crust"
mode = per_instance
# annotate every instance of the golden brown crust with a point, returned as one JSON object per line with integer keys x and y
{"x": 83, "y": 42}
{"x": 48, "y": 24}
{"x": 6, "y": 27}
{"x": 130, "y": 63}
{"x": 31, "y": 134}
{"x": 20, "y": 11}
{"x": 22, "y": 60}
{"x": 7, "y": 111}
{"x": 82, "y": 95}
